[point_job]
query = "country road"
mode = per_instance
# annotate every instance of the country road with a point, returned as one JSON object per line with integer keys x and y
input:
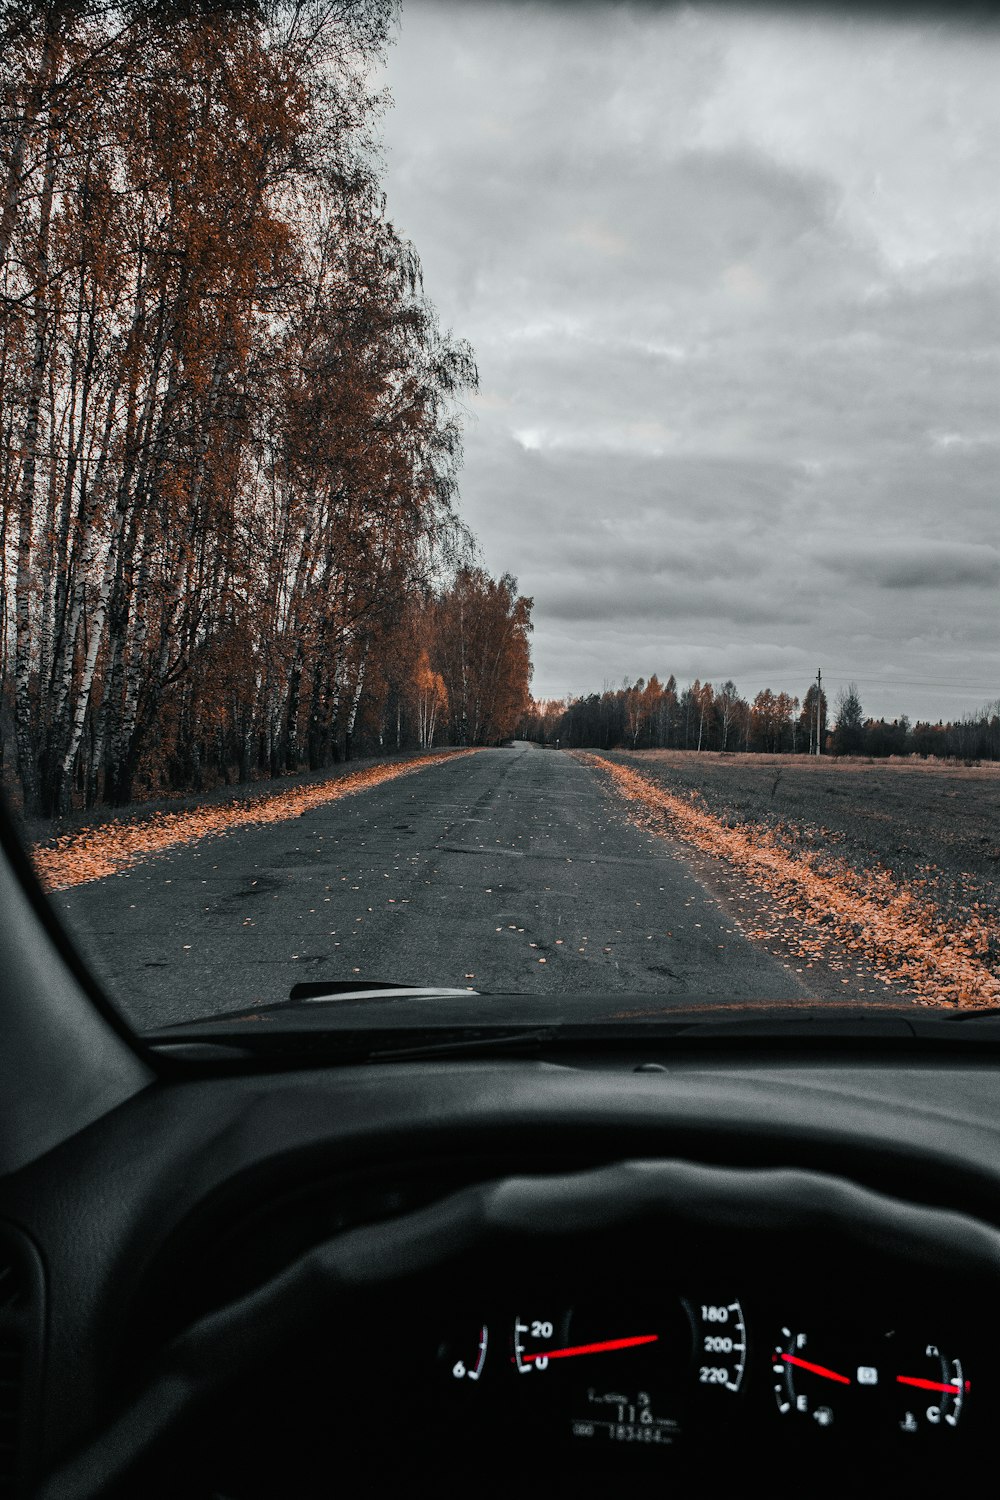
{"x": 512, "y": 870}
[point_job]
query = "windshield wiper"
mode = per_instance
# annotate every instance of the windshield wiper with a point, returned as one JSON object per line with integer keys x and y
{"x": 310, "y": 1048}
{"x": 369, "y": 989}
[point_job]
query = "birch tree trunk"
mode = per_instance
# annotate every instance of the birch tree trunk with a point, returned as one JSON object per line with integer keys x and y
{"x": 24, "y": 707}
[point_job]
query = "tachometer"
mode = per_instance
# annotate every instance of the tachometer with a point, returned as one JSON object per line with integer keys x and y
{"x": 464, "y": 1355}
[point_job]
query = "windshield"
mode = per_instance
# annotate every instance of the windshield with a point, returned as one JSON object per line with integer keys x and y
{"x": 501, "y": 499}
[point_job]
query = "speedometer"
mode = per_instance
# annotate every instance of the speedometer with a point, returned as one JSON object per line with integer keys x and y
{"x": 536, "y": 1345}
{"x": 627, "y": 1363}
{"x": 609, "y": 1369}
{"x": 720, "y": 1334}
{"x": 535, "y": 1340}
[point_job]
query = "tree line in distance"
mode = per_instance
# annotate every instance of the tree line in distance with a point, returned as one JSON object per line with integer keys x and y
{"x": 659, "y": 715}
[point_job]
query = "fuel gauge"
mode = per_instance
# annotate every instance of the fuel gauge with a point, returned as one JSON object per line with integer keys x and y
{"x": 817, "y": 1387}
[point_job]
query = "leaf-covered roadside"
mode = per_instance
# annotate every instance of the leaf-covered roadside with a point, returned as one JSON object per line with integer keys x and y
{"x": 818, "y": 900}
{"x": 110, "y": 848}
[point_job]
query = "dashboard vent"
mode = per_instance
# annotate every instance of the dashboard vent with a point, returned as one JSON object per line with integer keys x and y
{"x": 20, "y": 1349}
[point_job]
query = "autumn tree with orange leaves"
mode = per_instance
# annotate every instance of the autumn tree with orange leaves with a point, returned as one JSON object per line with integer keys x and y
{"x": 431, "y": 699}
{"x": 771, "y": 720}
{"x": 229, "y": 447}
{"x": 481, "y": 649}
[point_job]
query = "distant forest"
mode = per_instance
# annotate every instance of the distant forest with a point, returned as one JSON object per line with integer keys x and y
{"x": 653, "y": 715}
{"x": 228, "y": 436}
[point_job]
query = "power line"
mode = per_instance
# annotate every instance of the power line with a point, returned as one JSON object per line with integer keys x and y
{"x": 848, "y": 676}
{"x": 915, "y": 681}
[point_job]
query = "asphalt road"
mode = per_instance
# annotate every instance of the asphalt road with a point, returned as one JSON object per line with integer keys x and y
{"x": 511, "y": 870}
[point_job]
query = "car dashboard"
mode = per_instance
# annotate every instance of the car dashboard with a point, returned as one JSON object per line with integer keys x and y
{"x": 590, "y": 1270}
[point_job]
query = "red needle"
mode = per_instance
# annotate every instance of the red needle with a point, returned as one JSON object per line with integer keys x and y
{"x": 606, "y": 1347}
{"x": 804, "y": 1364}
{"x": 930, "y": 1385}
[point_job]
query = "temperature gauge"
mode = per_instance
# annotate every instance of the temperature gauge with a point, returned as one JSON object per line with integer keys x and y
{"x": 931, "y": 1391}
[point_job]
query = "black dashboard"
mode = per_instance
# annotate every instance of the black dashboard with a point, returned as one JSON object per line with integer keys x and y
{"x": 569, "y": 1272}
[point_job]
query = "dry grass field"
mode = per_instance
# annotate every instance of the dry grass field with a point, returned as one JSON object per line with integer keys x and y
{"x": 916, "y": 842}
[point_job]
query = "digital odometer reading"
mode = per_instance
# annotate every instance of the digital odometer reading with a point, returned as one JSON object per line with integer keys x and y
{"x": 624, "y": 1417}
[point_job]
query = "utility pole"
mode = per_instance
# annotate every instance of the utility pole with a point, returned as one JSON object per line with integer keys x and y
{"x": 819, "y": 711}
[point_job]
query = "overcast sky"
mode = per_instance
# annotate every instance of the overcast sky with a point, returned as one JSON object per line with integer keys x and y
{"x": 733, "y": 285}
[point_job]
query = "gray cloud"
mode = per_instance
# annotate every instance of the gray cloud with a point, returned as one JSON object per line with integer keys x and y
{"x": 922, "y": 565}
{"x": 593, "y": 600}
{"x": 734, "y": 287}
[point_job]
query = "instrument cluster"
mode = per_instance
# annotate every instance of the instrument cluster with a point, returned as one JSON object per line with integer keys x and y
{"x": 683, "y": 1372}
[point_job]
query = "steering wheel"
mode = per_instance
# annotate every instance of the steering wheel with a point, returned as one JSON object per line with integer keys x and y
{"x": 519, "y": 1211}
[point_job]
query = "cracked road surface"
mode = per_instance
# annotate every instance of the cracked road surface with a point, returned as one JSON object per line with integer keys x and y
{"x": 509, "y": 871}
